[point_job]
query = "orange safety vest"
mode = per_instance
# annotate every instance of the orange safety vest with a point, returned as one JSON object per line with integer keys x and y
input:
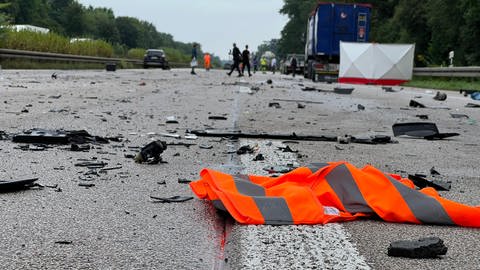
{"x": 206, "y": 60}
{"x": 329, "y": 192}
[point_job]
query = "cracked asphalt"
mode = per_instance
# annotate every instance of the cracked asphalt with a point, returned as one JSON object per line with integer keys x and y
{"x": 116, "y": 225}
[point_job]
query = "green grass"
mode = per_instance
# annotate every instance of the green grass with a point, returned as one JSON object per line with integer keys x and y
{"x": 43, "y": 64}
{"x": 443, "y": 83}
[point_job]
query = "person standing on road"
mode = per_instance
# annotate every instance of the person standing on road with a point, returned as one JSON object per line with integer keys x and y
{"x": 246, "y": 61}
{"x": 194, "y": 63}
{"x": 293, "y": 65}
{"x": 255, "y": 64}
{"x": 263, "y": 64}
{"x": 206, "y": 61}
{"x": 273, "y": 64}
{"x": 237, "y": 57}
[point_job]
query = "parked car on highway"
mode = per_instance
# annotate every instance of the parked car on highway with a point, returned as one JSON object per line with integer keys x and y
{"x": 155, "y": 58}
{"x": 287, "y": 68}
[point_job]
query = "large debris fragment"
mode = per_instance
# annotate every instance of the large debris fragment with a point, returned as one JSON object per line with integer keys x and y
{"x": 421, "y": 182}
{"x": 430, "y": 247}
{"x": 45, "y": 136}
{"x": 372, "y": 139}
{"x": 425, "y": 130}
{"x": 9, "y": 186}
{"x": 150, "y": 153}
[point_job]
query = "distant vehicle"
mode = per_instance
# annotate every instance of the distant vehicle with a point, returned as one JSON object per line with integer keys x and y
{"x": 155, "y": 58}
{"x": 329, "y": 24}
{"x": 227, "y": 64}
{"x": 287, "y": 68}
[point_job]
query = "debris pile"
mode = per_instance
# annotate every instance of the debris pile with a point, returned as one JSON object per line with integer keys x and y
{"x": 431, "y": 247}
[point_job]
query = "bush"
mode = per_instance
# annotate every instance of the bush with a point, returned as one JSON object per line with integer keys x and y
{"x": 136, "y": 53}
{"x": 54, "y": 43}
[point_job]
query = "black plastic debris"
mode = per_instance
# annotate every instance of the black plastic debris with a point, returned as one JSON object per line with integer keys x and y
{"x": 184, "y": 181}
{"x": 422, "y": 116}
{"x": 54, "y": 76}
{"x": 433, "y": 171}
{"x": 300, "y": 106}
{"x": 421, "y": 182}
{"x": 79, "y": 148}
{"x": 91, "y": 164}
{"x": 440, "y": 96}
{"x": 111, "y": 67}
{"x": 45, "y": 136}
{"x": 258, "y": 157}
{"x": 217, "y": 117}
{"x": 86, "y": 185}
{"x": 298, "y": 100}
{"x": 416, "y": 104}
{"x": 293, "y": 136}
{"x": 245, "y": 149}
{"x": 275, "y": 105}
{"x": 430, "y": 247}
{"x": 64, "y": 242}
{"x": 372, "y": 139}
{"x": 41, "y": 136}
{"x": 287, "y": 149}
{"x": 150, "y": 153}
{"x": 9, "y": 186}
{"x": 279, "y": 169}
{"x": 458, "y": 115}
{"x": 269, "y": 81}
{"x": 171, "y": 199}
{"x": 205, "y": 146}
{"x": 472, "y": 105}
{"x": 343, "y": 91}
{"x": 360, "y": 107}
{"x": 425, "y": 130}
{"x": 171, "y": 120}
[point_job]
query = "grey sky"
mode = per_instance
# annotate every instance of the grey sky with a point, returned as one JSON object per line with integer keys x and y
{"x": 215, "y": 24}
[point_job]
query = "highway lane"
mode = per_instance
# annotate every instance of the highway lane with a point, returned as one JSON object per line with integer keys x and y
{"x": 115, "y": 225}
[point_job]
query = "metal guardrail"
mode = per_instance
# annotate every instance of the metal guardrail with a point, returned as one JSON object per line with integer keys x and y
{"x": 448, "y": 72}
{"x": 8, "y": 53}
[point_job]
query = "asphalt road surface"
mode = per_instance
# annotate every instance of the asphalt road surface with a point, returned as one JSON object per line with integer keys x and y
{"x": 115, "y": 224}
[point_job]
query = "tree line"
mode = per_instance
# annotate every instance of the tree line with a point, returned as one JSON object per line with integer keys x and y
{"x": 72, "y": 19}
{"x": 435, "y": 26}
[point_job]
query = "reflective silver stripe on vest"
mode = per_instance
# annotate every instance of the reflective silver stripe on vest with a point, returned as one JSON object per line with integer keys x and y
{"x": 275, "y": 210}
{"x": 425, "y": 208}
{"x": 341, "y": 181}
{"x": 314, "y": 167}
{"x": 246, "y": 187}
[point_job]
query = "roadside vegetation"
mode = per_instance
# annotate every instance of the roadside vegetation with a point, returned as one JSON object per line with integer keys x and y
{"x": 445, "y": 83}
{"x": 103, "y": 34}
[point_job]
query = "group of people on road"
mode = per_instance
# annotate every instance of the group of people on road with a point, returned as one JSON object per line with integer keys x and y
{"x": 240, "y": 57}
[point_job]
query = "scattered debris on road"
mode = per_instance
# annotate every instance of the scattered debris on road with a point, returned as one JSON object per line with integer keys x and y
{"x": 343, "y": 91}
{"x": 430, "y": 247}
{"x": 425, "y": 130}
{"x": 15, "y": 185}
{"x": 150, "y": 153}
{"x": 440, "y": 96}
{"x": 421, "y": 182}
{"x": 171, "y": 199}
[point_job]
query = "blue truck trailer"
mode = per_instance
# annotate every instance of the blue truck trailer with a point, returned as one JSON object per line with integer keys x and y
{"x": 329, "y": 24}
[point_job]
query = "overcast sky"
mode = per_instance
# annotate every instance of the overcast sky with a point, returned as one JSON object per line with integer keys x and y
{"x": 215, "y": 24}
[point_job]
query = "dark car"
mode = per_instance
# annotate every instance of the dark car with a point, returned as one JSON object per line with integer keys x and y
{"x": 155, "y": 58}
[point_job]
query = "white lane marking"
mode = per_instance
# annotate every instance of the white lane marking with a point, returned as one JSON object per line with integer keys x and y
{"x": 288, "y": 247}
